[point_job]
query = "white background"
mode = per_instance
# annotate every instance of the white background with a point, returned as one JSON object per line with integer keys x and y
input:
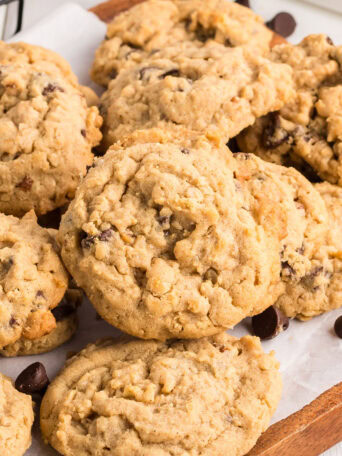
{"x": 320, "y": 21}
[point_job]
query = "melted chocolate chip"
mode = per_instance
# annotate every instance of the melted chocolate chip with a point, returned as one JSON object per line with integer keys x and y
{"x": 175, "y": 73}
{"x": 5, "y": 266}
{"x": 285, "y": 265}
{"x": 40, "y": 294}
{"x": 62, "y": 311}
{"x": 211, "y": 274}
{"x": 86, "y": 240}
{"x": 233, "y": 145}
{"x": 13, "y": 322}
{"x": 273, "y": 134}
{"x": 338, "y": 327}
{"x": 51, "y": 88}
{"x": 106, "y": 235}
{"x": 25, "y": 184}
{"x": 83, "y": 132}
{"x": 113, "y": 74}
{"x": 330, "y": 41}
{"x": 228, "y": 43}
{"x": 33, "y": 379}
{"x": 185, "y": 151}
{"x": 163, "y": 220}
{"x": 283, "y": 23}
{"x": 269, "y": 323}
{"x": 203, "y": 34}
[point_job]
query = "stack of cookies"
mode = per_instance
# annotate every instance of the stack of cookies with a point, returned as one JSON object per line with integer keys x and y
{"x": 206, "y": 205}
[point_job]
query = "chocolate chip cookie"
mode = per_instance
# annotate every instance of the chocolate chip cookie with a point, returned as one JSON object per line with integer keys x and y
{"x": 32, "y": 279}
{"x": 16, "y": 419}
{"x": 306, "y": 132}
{"x": 210, "y": 89}
{"x": 320, "y": 290}
{"x": 206, "y": 397}
{"x": 159, "y": 238}
{"x": 152, "y": 25}
{"x": 65, "y": 315}
{"x": 47, "y": 134}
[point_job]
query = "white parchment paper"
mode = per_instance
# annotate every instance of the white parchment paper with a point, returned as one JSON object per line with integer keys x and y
{"x": 310, "y": 354}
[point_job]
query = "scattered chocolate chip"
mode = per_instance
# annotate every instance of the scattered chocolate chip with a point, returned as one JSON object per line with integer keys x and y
{"x": 233, "y": 145}
{"x": 338, "y": 327}
{"x": 113, "y": 74}
{"x": 86, "y": 240}
{"x": 330, "y": 41}
{"x": 40, "y": 294}
{"x": 228, "y": 43}
{"x": 283, "y": 23}
{"x": 203, "y": 34}
{"x": 273, "y": 134}
{"x": 175, "y": 73}
{"x": 222, "y": 349}
{"x": 269, "y": 323}
{"x": 106, "y": 235}
{"x": 185, "y": 151}
{"x": 285, "y": 265}
{"x": 62, "y": 311}
{"x": 83, "y": 132}
{"x": 13, "y": 322}
{"x": 211, "y": 274}
{"x": 5, "y": 266}
{"x": 243, "y": 3}
{"x": 163, "y": 220}
{"x": 33, "y": 379}
{"x": 25, "y": 184}
{"x": 51, "y": 88}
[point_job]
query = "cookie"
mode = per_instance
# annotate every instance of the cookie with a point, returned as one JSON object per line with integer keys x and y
{"x": 41, "y": 59}
{"x": 210, "y": 89}
{"x": 320, "y": 290}
{"x": 65, "y": 315}
{"x": 47, "y": 134}
{"x": 152, "y": 25}
{"x": 16, "y": 419}
{"x": 288, "y": 205}
{"x": 199, "y": 397}
{"x": 159, "y": 238}
{"x": 32, "y": 279}
{"x": 306, "y": 132}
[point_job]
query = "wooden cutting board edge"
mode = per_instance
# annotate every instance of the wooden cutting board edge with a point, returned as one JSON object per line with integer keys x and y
{"x": 316, "y": 427}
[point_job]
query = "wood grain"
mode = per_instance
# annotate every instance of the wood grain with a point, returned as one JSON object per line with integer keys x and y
{"x": 316, "y": 427}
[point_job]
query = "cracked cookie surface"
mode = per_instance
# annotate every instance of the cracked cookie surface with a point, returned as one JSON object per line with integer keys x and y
{"x": 47, "y": 134}
{"x": 210, "y": 89}
{"x": 160, "y": 241}
{"x": 142, "y": 398}
{"x": 307, "y": 132}
{"x": 32, "y": 279}
{"x": 16, "y": 419}
{"x": 320, "y": 290}
{"x": 144, "y": 29}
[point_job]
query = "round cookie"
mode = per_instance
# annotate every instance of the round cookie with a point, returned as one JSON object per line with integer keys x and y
{"x": 65, "y": 315}
{"x": 32, "y": 279}
{"x": 152, "y": 25}
{"x": 210, "y": 89}
{"x": 16, "y": 419}
{"x": 305, "y": 133}
{"x": 320, "y": 290}
{"x": 199, "y": 397}
{"x": 287, "y": 204}
{"x": 47, "y": 134}
{"x": 159, "y": 238}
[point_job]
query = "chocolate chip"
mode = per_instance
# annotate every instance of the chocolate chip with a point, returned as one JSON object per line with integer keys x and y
{"x": 5, "y": 266}
{"x": 211, "y": 274}
{"x": 144, "y": 71}
{"x": 25, "y": 184}
{"x": 62, "y": 311}
{"x": 163, "y": 220}
{"x": 113, "y": 74}
{"x": 175, "y": 73}
{"x": 283, "y": 23}
{"x": 243, "y": 3}
{"x": 203, "y": 34}
{"x": 106, "y": 235}
{"x": 269, "y": 323}
{"x": 13, "y": 322}
{"x": 86, "y": 240}
{"x": 83, "y": 132}
{"x": 228, "y": 43}
{"x": 40, "y": 294}
{"x": 338, "y": 327}
{"x": 285, "y": 265}
{"x": 185, "y": 151}
{"x": 33, "y": 379}
{"x": 51, "y": 88}
{"x": 273, "y": 134}
{"x": 330, "y": 41}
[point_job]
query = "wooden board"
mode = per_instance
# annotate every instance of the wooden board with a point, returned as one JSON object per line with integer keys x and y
{"x": 316, "y": 427}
